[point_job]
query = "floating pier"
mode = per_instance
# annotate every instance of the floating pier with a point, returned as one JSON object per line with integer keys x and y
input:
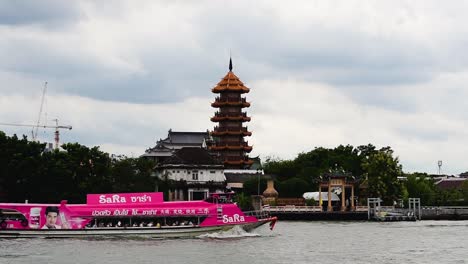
{"x": 390, "y": 213}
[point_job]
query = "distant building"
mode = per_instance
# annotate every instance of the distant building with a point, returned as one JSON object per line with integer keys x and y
{"x": 235, "y": 179}
{"x": 229, "y": 134}
{"x": 165, "y": 148}
{"x": 196, "y": 160}
{"x": 194, "y": 172}
{"x": 450, "y": 183}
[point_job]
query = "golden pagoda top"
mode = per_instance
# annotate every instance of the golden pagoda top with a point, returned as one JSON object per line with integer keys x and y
{"x": 231, "y": 83}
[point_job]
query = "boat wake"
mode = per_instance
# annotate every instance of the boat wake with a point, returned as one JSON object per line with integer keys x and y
{"x": 235, "y": 232}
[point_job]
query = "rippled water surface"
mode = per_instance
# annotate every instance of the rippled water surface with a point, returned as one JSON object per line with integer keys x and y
{"x": 290, "y": 242}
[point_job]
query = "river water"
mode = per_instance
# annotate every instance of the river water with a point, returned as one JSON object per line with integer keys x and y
{"x": 290, "y": 242}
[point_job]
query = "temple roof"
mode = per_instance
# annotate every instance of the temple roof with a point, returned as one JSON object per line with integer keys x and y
{"x": 177, "y": 140}
{"x": 186, "y": 138}
{"x": 243, "y": 177}
{"x": 232, "y": 83}
{"x": 193, "y": 156}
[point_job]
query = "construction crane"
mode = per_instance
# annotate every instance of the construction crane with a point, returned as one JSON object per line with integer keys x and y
{"x": 36, "y": 127}
{"x": 57, "y": 127}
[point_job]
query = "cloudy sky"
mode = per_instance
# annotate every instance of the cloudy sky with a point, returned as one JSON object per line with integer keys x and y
{"x": 321, "y": 73}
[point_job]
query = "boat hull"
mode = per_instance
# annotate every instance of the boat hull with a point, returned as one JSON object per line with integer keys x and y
{"x": 113, "y": 232}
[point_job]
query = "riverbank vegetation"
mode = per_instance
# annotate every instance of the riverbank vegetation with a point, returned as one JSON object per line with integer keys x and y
{"x": 29, "y": 172}
{"x": 377, "y": 172}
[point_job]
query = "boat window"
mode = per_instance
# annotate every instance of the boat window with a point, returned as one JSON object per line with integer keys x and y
{"x": 220, "y": 198}
{"x": 10, "y": 214}
{"x": 145, "y": 222}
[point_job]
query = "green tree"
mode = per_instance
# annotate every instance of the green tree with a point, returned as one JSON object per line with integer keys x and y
{"x": 243, "y": 201}
{"x": 418, "y": 185}
{"x": 19, "y": 162}
{"x": 251, "y": 186}
{"x": 382, "y": 171}
{"x": 465, "y": 192}
{"x": 292, "y": 188}
{"x": 282, "y": 168}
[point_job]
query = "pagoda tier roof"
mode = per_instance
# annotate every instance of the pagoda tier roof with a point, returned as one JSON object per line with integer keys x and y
{"x": 219, "y": 118}
{"x": 231, "y": 133}
{"x": 237, "y": 103}
{"x": 230, "y": 83}
{"x": 234, "y": 131}
{"x": 240, "y": 147}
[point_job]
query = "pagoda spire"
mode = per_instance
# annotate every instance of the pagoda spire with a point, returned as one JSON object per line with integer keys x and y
{"x": 230, "y": 64}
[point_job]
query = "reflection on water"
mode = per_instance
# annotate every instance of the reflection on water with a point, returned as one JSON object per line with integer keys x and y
{"x": 290, "y": 242}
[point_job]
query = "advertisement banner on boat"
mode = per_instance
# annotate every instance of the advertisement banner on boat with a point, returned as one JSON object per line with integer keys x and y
{"x": 150, "y": 212}
{"x": 40, "y": 217}
{"x": 117, "y": 207}
{"x": 125, "y": 198}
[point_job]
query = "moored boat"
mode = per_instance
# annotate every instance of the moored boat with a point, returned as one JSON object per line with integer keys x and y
{"x": 127, "y": 214}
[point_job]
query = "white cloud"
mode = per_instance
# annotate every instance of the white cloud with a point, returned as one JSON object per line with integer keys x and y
{"x": 294, "y": 116}
{"x": 288, "y": 117}
{"x": 322, "y": 73}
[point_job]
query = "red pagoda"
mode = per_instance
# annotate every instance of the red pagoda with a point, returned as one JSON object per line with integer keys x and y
{"x": 229, "y": 134}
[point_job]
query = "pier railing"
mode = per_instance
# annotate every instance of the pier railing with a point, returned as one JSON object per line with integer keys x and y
{"x": 259, "y": 214}
{"x": 362, "y": 208}
{"x": 389, "y": 213}
{"x": 292, "y": 209}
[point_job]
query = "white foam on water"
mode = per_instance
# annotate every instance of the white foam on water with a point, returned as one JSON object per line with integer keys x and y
{"x": 235, "y": 232}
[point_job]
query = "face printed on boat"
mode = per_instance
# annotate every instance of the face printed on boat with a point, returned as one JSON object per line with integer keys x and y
{"x": 51, "y": 219}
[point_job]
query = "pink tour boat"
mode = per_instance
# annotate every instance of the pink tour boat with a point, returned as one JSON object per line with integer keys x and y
{"x": 128, "y": 214}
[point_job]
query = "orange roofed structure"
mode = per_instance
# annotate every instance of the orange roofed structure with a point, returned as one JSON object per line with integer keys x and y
{"x": 229, "y": 134}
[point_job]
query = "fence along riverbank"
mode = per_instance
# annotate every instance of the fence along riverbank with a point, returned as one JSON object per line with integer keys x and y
{"x": 314, "y": 213}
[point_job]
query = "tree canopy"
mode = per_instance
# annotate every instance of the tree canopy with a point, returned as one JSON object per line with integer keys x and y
{"x": 378, "y": 171}
{"x": 28, "y": 172}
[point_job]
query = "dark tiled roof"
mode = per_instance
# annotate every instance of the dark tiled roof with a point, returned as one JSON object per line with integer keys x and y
{"x": 450, "y": 184}
{"x": 186, "y": 137}
{"x": 178, "y": 140}
{"x": 195, "y": 156}
{"x": 243, "y": 177}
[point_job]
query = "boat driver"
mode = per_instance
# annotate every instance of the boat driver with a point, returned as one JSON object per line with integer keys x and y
{"x": 51, "y": 214}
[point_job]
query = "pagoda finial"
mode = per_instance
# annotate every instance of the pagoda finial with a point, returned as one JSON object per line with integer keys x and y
{"x": 230, "y": 64}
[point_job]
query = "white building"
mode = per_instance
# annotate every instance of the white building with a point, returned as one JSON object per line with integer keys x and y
{"x": 193, "y": 173}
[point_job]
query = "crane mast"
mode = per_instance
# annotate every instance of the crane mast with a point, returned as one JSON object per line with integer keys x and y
{"x": 34, "y": 133}
{"x": 38, "y": 124}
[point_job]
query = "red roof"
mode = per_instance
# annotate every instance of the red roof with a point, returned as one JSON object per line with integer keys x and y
{"x": 231, "y": 83}
{"x": 450, "y": 183}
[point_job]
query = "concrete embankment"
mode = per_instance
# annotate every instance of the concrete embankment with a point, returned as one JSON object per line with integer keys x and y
{"x": 321, "y": 216}
{"x": 428, "y": 213}
{"x": 444, "y": 213}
